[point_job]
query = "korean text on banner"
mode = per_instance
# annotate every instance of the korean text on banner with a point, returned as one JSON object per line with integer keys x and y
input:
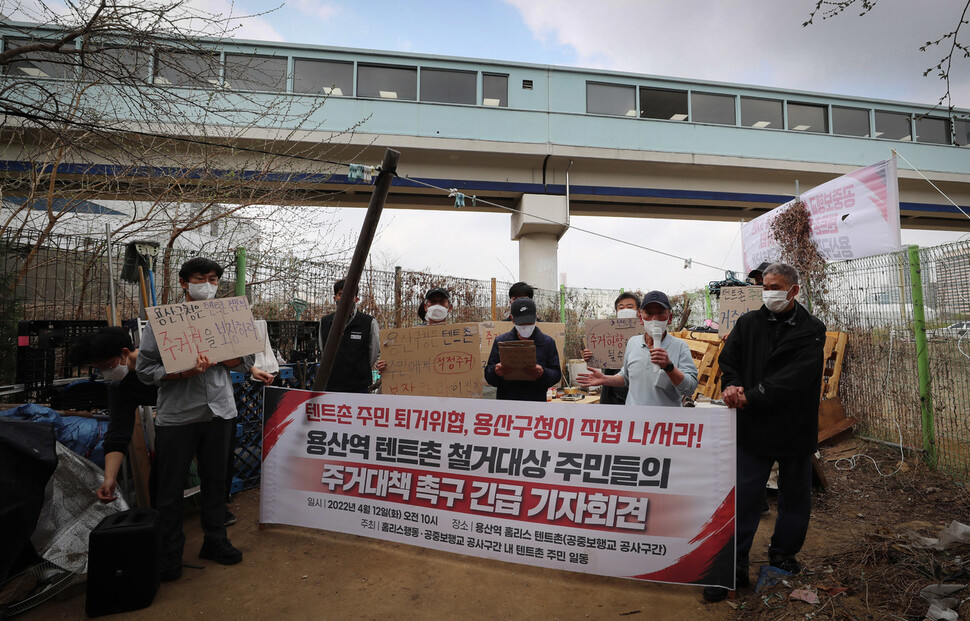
{"x": 433, "y": 361}
{"x": 854, "y": 216}
{"x": 734, "y": 302}
{"x": 606, "y": 339}
{"x": 640, "y": 492}
{"x": 221, "y": 329}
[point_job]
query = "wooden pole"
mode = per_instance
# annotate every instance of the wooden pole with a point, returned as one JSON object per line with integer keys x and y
{"x": 367, "y": 232}
{"x": 494, "y": 305}
{"x": 397, "y": 296}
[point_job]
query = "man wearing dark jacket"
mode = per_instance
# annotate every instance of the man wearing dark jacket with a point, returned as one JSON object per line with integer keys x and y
{"x": 772, "y": 373}
{"x": 358, "y": 352}
{"x": 546, "y": 372}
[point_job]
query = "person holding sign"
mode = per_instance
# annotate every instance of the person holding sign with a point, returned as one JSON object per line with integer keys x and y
{"x": 657, "y": 368}
{"x": 537, "y": 378}
{"x": 771, "y": 371}
{"x": 194, "y": 418}
{"x": 626, "y": 306}
{"x": 359, "y": 349}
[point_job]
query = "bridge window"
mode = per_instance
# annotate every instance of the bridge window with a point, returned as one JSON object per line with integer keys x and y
{"x": 495, "y": 90}
{"x": 323, "y": 77}
{"x": 116, "y": 64}
{"x": 659, "y": 103}
{"x": 58, "y": 65}
{"x": 961, "y": 129}
{"x": 387, "y": 82}
{"x": 614, "y": 99}
{"x": 893, "y": 126}
{"x": 711, "y": 108}
{"x": 187, "y": 69}
{"x": 255, "y": 73}
{"x": 850, "y": 121}
{"x": 761, "y": 113}
{"x": 808, "y": 118}
{"x": 932, "y": 130}
{"x": 447, "y": 86}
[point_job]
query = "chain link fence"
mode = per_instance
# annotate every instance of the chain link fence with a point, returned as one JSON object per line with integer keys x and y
{"x": 897, "y": 397}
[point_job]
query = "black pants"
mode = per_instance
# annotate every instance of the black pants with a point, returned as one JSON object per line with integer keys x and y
{"x": 794, "y": 502}
{"x": 175, "y": 446}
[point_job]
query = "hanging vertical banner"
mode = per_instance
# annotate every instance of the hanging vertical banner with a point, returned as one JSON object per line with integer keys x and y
{"x": 638, "y": 492}
{"x": 856, "y": 215}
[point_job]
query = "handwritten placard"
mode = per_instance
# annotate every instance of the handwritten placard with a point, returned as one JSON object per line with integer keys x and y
{"x": 432, "y": 361}
{"x": 517, "y": 358}
{"x": 734, "y": 302}
{"x": 491, "y": 329}
{"x": 607, "y": 338}
{"x": 221, "y": 329}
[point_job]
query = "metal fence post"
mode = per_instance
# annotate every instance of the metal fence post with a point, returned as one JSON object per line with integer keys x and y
{"x": 240, "y": 271}
{"x": 562, "y": 303}
{"x": 922, "y": 357}
{"x": 494, "y": 301}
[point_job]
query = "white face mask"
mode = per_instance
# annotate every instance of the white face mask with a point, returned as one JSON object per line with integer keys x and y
{"x": 115, "y": 374}
{"x": 525, "y": 331}
{"x": 437, "y": 312}
{"x": 202, "y": 290}
{"x": 626, "y": 313}
{"x": 655, "y": 328}
{"x": 776, "y": 301}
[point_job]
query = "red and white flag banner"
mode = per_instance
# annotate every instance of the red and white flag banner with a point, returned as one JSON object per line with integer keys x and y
{"x": 853, "y": 216}
{"x": 634, "y": 492}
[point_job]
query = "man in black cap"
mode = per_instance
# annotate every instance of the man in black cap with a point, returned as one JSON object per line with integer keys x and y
{"x": 756, "y": 276}
{"x": 359, "y": 349}
{"x": 437, "y": 306}
{"x": 545, "y": 373}
{"x": 657, "y": 368}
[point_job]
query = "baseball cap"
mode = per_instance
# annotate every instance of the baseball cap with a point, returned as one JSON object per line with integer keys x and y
{"x": 523, "y": 311}
{"x": 760, "y": 269}
{"x": 656, "y": 297}
{"x": 437, "y": 291}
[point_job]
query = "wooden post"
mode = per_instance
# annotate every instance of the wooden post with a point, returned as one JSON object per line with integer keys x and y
{"x": 494, "y": 304}
{"x": 397, "y": 296}
{"x": 367, "y": 231}
{"x": 140, "y": 466}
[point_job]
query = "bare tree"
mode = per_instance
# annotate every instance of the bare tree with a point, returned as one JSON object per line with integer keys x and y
{"x": 132, "y": 100}
{"x": 948, "y": 43}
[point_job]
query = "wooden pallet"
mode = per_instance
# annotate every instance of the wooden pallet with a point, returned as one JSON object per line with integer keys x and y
{"x": 832, "y": 369}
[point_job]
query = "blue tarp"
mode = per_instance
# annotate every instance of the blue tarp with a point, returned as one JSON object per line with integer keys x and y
{"x": 84, "y": 436}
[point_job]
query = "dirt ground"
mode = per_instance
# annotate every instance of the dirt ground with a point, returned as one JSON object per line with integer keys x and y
{"x": 855, "y": 559}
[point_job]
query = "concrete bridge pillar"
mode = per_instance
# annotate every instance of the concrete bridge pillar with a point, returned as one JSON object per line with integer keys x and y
{"x": 538, "y": 225}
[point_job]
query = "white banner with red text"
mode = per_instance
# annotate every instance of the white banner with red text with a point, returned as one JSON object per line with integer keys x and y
{"x": 634, "y": 492}
{"x": 853, "y": 216}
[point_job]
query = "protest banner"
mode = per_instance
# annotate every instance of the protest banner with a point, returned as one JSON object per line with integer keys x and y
{"x": 853, "y": 216}
{"x": 606, "y": 339}
{"x": 221, "y": 329}
{"x": 638, "y": 492}
{"x": 491, "y": 329}
{"x": 442, "y": 361}
{"x": 734, "y": 302}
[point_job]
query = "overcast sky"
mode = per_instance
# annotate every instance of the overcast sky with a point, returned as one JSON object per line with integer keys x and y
{"x": 758, "y": 42}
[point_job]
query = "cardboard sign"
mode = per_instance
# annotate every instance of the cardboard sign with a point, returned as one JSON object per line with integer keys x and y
{"x": 607, "y": 338}
{"x": 221, "y": 329}
{"x": 517, "y": 357}
{"x": 490, "y": 329}
{"x": 432, "y": 361}
{"x": 638, "y": 492}
{"x": 734, "y": 302}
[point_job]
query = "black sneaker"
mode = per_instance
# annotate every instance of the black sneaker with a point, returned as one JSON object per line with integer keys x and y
{"x": 790, "y": 565}
{"x": 172, "y": 567}
{"x": 230, "y": 518}
{"x": 220, "y": 551}
{"x": 715, "y": 594}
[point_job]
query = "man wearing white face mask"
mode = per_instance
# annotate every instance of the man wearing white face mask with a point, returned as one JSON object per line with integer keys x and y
{"x": 437, "y": 305}
{"x": 772, "y": 373}
{"x": 546, "y": 371}
{"x": 626, "y": 306}
{"x": 657, "y": 368}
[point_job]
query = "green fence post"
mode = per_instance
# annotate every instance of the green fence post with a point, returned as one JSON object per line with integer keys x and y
{"x": 922, "y": 358}
{"x": 562, "y": 303}
{"x": 707, "y": 303}
{"x": 240, "y": 271}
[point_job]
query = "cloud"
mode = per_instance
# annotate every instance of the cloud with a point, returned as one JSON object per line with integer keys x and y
{"x": 320, "y": 10}
{"x": 760, "y": 42}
